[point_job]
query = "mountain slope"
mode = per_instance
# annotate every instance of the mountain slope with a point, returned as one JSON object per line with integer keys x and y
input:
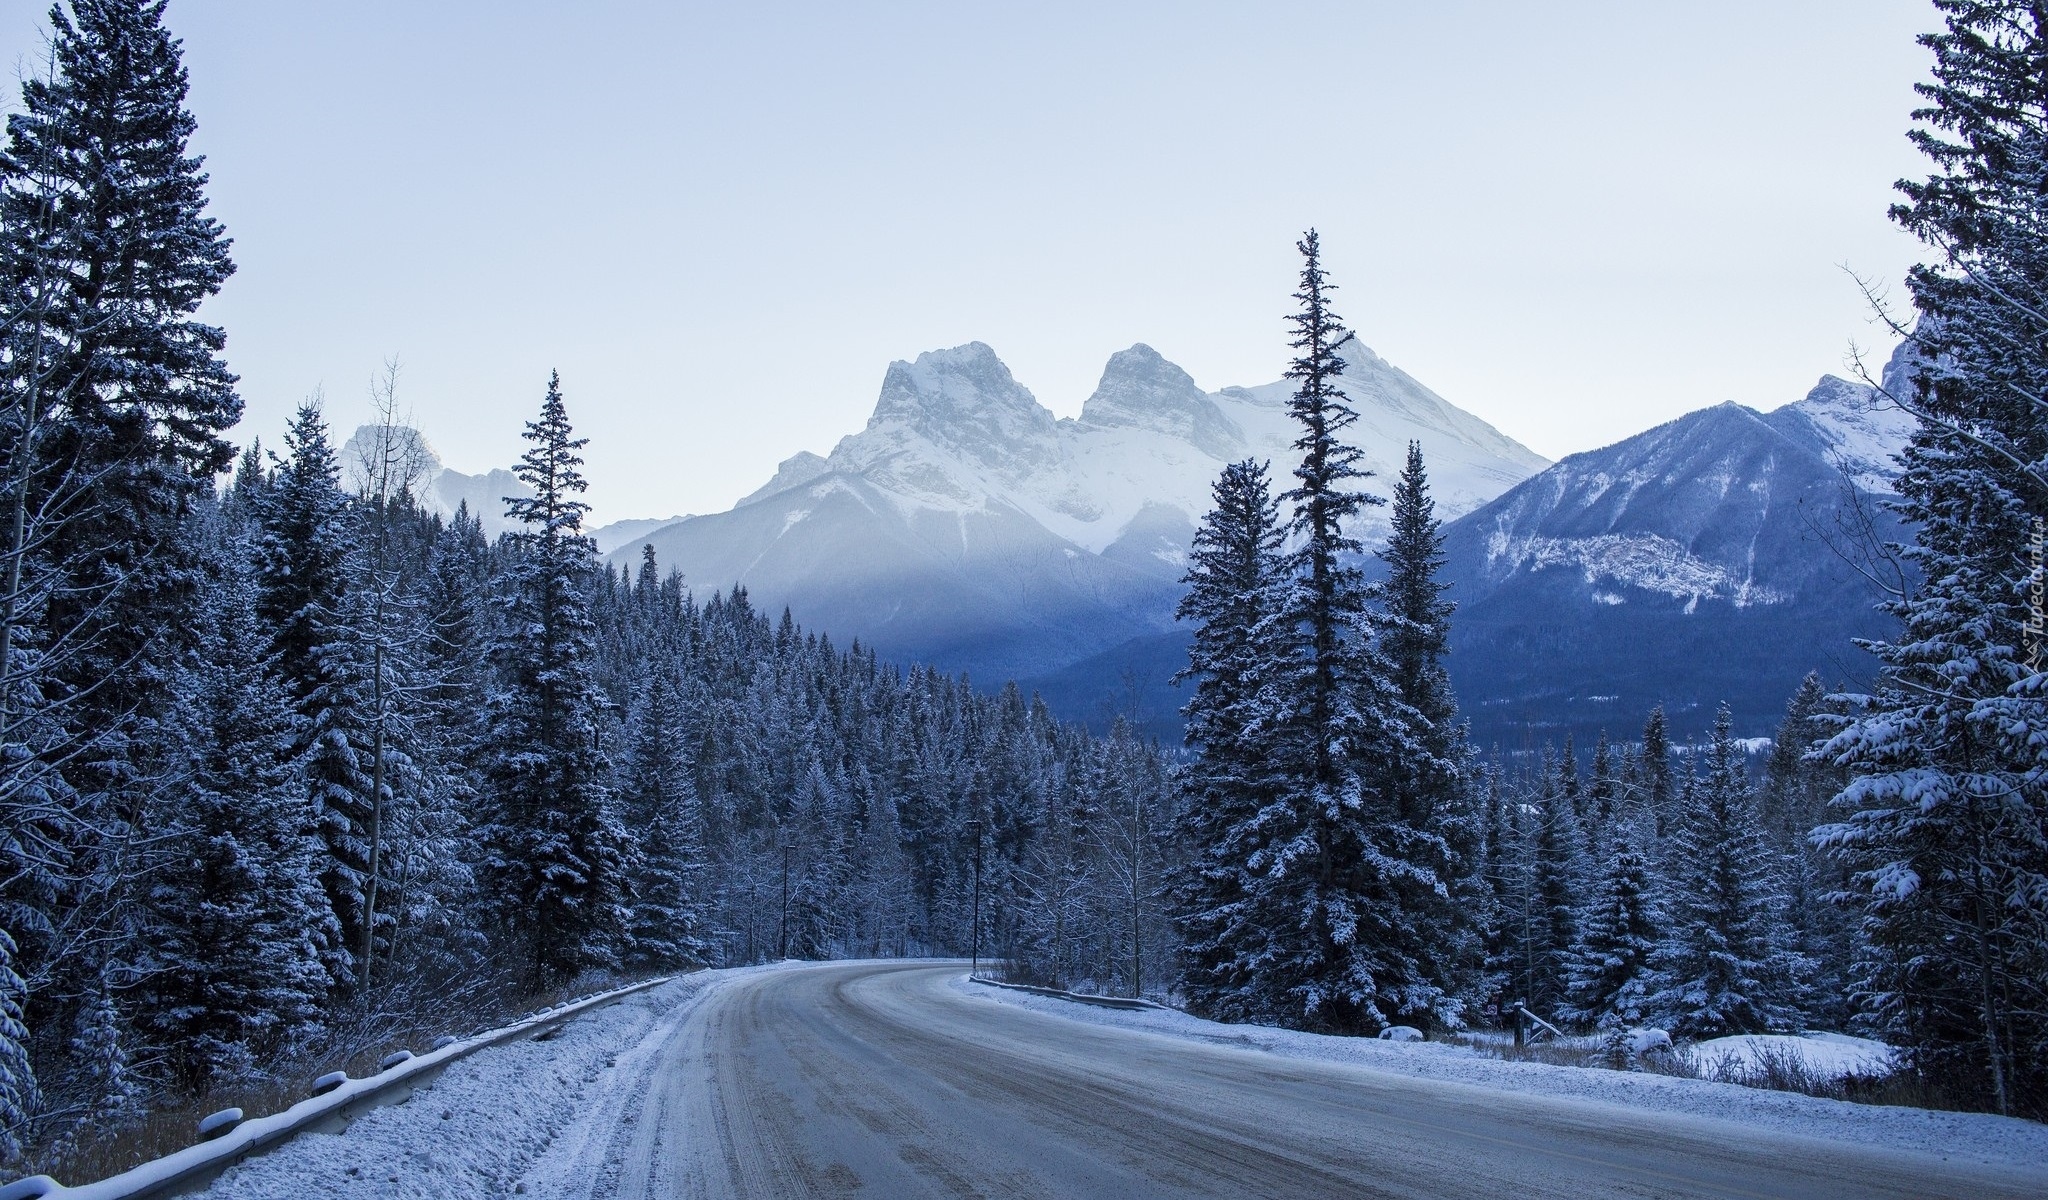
{"x": 968, "y": 527}
{"x": 1714, "y": 558}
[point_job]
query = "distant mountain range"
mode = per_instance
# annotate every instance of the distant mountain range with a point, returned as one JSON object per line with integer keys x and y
{"x": 1718, "y": 557}
{"x": 968, "y": 527}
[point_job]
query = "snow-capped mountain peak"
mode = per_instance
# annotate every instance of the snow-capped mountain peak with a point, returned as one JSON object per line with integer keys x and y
{"x": 795, "y": 471}
{"x": 965, "y": 400}
{"x": 1140, "y": 389}
{"x": 1863, "y": 431}
{"x": 965, "y": 524}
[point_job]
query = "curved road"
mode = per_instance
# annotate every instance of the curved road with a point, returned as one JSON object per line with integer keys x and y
{"x": 882, "y": 1080}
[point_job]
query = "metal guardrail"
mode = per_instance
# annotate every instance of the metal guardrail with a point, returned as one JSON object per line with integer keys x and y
{"x": 1126, "y": 1002}
{"x": 329, "y": 1112}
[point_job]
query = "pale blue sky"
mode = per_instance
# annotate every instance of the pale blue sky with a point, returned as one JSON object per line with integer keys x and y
{"x": 721, "y": 221}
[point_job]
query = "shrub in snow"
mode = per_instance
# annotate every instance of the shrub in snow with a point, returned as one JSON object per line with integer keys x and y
{"x": 328, "y": 1082}
{"x": 216, "y": 1124}
{"x": 1401, "y": 1033}
{"x": 393, "y": 1059}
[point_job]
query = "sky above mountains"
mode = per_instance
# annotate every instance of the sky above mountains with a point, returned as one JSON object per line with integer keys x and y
{"x": 721, "y": 222}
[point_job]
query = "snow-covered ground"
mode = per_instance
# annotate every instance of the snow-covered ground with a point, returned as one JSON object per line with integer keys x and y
{"x": 475, "y": 1131}
{"x": 1823, "y": 1055}
{"x": 1970, "y": 1137}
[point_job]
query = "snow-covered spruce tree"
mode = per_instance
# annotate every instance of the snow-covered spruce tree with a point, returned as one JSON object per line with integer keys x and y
{"x": 1655, "y": 793}
{"x": 1326, "y": 936}
{"x": 1496, "y": 905}
{"x": 1609, "y": 978}
{"x": 117, "y": 401}
{"x": 305, "y": 551}
{"x": 659, "y": 806}
{"x": 429, "y": 933}
{"x": 1724, "y": 966}
{"x": 239, "y": 921}
{"x": 1432, "y": 789}
{"x": 19, "y": 1096}
{"x": 142, "y": 397}
{"x": 1232, "y": 595}
{"x": 1944, "y": 818}
{"x": 1557, "y": 875}
{"x": 553, "y": 865}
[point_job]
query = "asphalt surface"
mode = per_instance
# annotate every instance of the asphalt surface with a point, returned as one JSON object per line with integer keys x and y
{"x": 883, "y": 1080}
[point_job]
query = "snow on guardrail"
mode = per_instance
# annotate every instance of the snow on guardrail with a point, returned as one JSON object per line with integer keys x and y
{"x": 329, "y": 1110}
{"x": 1076, "y": 997}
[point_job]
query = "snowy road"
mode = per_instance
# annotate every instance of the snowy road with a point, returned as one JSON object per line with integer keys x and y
{"x": 887, "y": 1080}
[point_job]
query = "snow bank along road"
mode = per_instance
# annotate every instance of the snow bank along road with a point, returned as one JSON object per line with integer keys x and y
{"x": 892, "y": 1079}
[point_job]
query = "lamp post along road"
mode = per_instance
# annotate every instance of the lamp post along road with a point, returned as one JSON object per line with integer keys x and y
{"x": 975, "y": 950}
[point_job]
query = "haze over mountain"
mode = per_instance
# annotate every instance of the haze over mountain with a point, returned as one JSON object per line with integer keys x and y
{"x": 968, "y": 527}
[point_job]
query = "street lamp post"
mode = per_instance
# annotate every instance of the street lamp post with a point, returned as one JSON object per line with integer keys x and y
{"x": 975, "y": 970}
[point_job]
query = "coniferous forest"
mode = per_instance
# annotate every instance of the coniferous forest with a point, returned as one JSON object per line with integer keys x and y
{"x": 288, "y": 762}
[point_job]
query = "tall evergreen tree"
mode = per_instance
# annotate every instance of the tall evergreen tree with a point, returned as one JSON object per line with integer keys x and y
{"x": 116, "y": 405}
{"x": 555, "y": 853}
{"x": 1559, "y": 868}
{"x": 1324, "y": 605}
{"x": 1943, "y": 821}
{"x": 1439, "y": 828}
{"x": 306, "y": 552}
{"x": 1657, "y": 794}
{"x": 1327, "y": 923}
{"x": 141, "y": 397}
